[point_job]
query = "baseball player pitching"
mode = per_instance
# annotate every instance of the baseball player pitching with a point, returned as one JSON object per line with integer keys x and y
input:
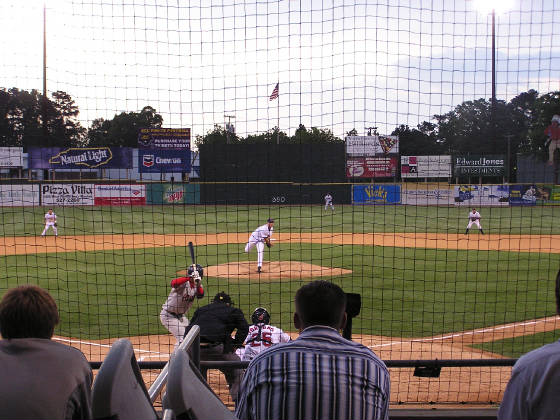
{"x": 259, "y": 238}
{"x": 184, "y": 290}
{"x": 261, "y": 335}
{"x": 328, "y": 201}
{"x": 50, "y": 221}
{"x": 474, "y": 218}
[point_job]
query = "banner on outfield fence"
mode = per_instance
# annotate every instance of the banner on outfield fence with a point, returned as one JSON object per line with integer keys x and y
{"x": 19, "y": 195}
{"x": 479, "y": 165}
{"x": 427, "y": 194}
{"x": 372, "y": 145}
{"x": 67, "y": 194}
{"x": 80, "y": 158}
{"x": 164, "y": 138}
{"x": 481, "y": 195}
{"x": 164, "y": 160}
{"x": 437, "y": 166}
{"x": 372, "y": 167}
{"x": 376, "y": 194}
{"x": 529, "y": 194}
{"x": 173, "y": 193}
{"x": 554, "y": 197}
{"x": 11, "y": 157}
{"x": 120, "y": 195}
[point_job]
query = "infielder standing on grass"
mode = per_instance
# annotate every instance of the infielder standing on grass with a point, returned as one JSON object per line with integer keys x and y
{"x": 50, "y": 220}
{"x": 183, "y": 292}
{"x": 258, "y": 238}
{"x": 328, "y": 201}
{"x": 474, "y": 217}
{"x": 261, "y": 335}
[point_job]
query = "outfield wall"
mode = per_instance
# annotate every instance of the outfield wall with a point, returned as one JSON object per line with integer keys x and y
{"x": 262, "y": 193}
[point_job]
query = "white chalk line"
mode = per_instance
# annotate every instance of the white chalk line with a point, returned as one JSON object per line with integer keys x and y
{"x": 88, "y": 343}
{"x": 464, "y": 333}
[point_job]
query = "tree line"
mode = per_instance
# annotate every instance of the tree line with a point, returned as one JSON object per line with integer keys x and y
{"x": 27, "y": 118}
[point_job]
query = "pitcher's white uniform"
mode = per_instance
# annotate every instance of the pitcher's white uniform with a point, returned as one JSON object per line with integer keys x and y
{"x": 50, "y": 220}
{"x": 328, "y": 201}
{"x": 172, "y": 315}
{"x": 262, "y": 337}
{"x": 257, "y": 239}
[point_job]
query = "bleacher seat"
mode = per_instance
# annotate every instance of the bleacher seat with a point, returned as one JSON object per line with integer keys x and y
{"x": 119, "y": 392}
{"x": 188, "y": 394}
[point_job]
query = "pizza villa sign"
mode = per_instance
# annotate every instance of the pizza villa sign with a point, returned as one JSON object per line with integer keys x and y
{"x": 477, "y": 165}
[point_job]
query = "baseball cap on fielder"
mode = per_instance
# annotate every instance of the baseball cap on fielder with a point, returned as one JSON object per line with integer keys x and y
{"x": 270, "y": 220}
{"x": 223, "y": 297}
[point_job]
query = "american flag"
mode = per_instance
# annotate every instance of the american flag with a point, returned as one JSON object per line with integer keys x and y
{"x": 274, "y": 93}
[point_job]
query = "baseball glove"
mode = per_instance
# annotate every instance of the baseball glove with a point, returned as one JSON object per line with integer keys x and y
{"x": 55, "y": 224}
{"x": 267, "y": 241}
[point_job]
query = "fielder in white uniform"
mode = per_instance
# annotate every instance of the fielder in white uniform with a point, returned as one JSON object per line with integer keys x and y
{"x": 261, "y": 335}
{"x": 474, "y": 217}
{"x": 328, "y": 201}
{"x": 258, "y": 238}
{"x": 183, "y": 292}
{"x": 50, "y": 221}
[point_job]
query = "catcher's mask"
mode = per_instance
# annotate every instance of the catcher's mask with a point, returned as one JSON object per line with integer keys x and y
{"x": 260, "y": 315}
{"x": 198, "y": 268}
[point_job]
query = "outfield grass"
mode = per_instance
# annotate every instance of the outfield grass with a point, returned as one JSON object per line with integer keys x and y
{"x": 517, "y": 346}
{"x": 406, "y": 292}
{"x": 18, "y": 221}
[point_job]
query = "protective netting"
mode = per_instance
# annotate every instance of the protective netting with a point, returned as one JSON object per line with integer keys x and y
{"x": 405, "y": 113}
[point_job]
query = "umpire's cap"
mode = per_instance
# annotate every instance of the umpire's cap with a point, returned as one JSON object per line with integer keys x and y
{"x": 223, "y": 297}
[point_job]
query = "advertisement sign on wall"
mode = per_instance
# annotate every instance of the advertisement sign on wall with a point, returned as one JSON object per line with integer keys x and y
{"x": 79, "y": 158}
{"x": 67, "y": 194}
{"x": 437, "y": 166}
{"x": 11, "y": 157}
{"x": 478, "y": 165}
{"x": 481, "y": 195}
{"x": 376, "y": 194}
{"x": 529, "y": 194}
{"x": 372, "y": 145}
{"x": 164, "y": 160}
{"x": 120, "y": 195}
{"x": 164, "y": 138}
{"x": 427, "y": 194}
{"x": 372, "y": 167}
{"x": 19, "y": 195}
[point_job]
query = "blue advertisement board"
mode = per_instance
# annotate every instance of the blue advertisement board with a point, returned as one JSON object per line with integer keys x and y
{"x": 376, "y": 194}
{"x": 525, "y": 195}
{"x": 80, "y": 158}
{"x": 164, "y": 160}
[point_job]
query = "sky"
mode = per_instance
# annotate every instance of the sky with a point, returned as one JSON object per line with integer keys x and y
{"x": 339, "y": 64}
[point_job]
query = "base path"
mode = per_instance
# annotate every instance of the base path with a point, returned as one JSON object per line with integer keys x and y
{"x": 20, "y": 245}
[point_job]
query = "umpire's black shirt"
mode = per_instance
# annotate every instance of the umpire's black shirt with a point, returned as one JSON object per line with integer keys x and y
{"x": 217, "y": 321}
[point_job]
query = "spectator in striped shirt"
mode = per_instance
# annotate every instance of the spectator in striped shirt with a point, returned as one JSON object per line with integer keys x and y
{"x": 320, "y": 375}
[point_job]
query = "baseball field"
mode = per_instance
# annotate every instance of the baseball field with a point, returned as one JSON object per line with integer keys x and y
{"x": 428, "y": 291}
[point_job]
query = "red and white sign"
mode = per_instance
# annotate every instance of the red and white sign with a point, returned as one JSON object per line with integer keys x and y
{"x": 120, "y": 195}
{"x": 372, "y": 167}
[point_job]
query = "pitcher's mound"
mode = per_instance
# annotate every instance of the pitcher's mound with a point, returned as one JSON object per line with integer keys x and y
{"x": 272, "y": 270}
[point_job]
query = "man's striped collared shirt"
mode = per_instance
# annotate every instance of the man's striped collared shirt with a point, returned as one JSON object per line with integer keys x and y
{"x": 320, "y": 375}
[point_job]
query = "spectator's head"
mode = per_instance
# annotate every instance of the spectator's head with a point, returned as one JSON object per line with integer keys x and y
{"x": 320, "y": 303}
{"x": 558, "y": 293}
{"x": 28, "y": 312}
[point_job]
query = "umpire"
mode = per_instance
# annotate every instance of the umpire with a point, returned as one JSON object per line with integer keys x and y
{"x": 217, "y": 321}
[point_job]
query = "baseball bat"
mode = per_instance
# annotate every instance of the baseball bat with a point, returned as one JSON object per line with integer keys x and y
{"x": 191, "y": 250}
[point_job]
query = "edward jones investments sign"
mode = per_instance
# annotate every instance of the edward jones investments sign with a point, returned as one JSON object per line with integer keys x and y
{"x": 478, "y": 165}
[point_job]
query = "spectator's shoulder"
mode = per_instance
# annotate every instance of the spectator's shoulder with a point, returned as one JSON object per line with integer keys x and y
{"x": 542, "y": 358}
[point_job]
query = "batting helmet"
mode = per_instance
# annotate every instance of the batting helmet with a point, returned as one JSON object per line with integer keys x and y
{"x": 198, "y": 268}
{"x": 260, "y": 316}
